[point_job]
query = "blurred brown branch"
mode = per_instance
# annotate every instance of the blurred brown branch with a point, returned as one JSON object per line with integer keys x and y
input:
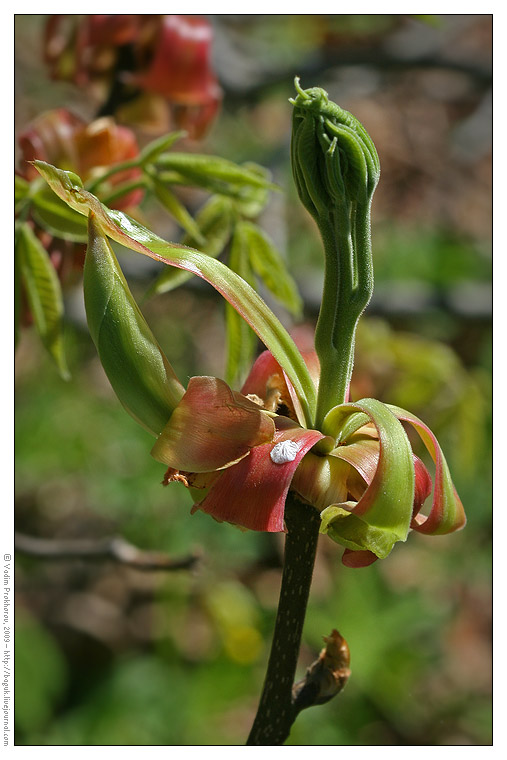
{"x": 115, "y": 548}
{"x": 379, "y": 59}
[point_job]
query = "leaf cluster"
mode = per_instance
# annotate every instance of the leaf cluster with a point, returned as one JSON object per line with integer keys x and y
{"x": 225, "y": 226}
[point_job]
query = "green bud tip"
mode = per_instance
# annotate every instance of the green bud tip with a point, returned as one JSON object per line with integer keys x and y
{"x": 313, "y": 99}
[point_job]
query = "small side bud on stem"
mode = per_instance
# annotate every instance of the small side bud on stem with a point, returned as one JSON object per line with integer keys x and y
{"x": 325, "y": 677}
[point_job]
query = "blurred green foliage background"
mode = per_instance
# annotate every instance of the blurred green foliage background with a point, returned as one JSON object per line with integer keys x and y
{"x": 111, "y": 655}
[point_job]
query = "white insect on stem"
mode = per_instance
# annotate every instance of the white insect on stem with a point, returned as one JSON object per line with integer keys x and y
{"x": 283, "y": 452}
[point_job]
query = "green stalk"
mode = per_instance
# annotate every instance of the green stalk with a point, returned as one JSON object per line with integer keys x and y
{"x": 334, "y": 335}
{"x": 348, "y": 285}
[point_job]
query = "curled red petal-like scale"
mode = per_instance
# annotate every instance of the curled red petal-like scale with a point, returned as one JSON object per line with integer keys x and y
{"x": 362, "y": 558}
{"x": 252, "y": 493}
{"x": 447, "y": 513}
{"x": 363, "y": 455}
{"x": 423, "y": 486}
{"x": 322, "y": 480}
{"x": 266, "y": 368}
{"x": 211, "y": 428}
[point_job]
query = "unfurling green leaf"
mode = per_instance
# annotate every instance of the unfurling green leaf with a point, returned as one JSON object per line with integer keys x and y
{"x": 176, "y": 209}
{"x": 136, "y": 366}
{"x": 17, "y": 286}
{"x": 252, "y": 200}
{"x": 155, "y": 148}
{"x": 125, "y": 230}
{"x": 21, "y": 189}
{"x": 55, "y": 216}
{"x": 270, "y": 267}
{"x": 241, "y": 340}
{"x": 43, "y": 292}
{"x": 214, "y": 221}
{"x": 168, "y": 279}
{"x": 211, "y": 172}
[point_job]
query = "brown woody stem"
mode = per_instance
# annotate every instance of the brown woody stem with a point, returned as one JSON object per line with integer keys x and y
{"x": 276, "y": 712}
